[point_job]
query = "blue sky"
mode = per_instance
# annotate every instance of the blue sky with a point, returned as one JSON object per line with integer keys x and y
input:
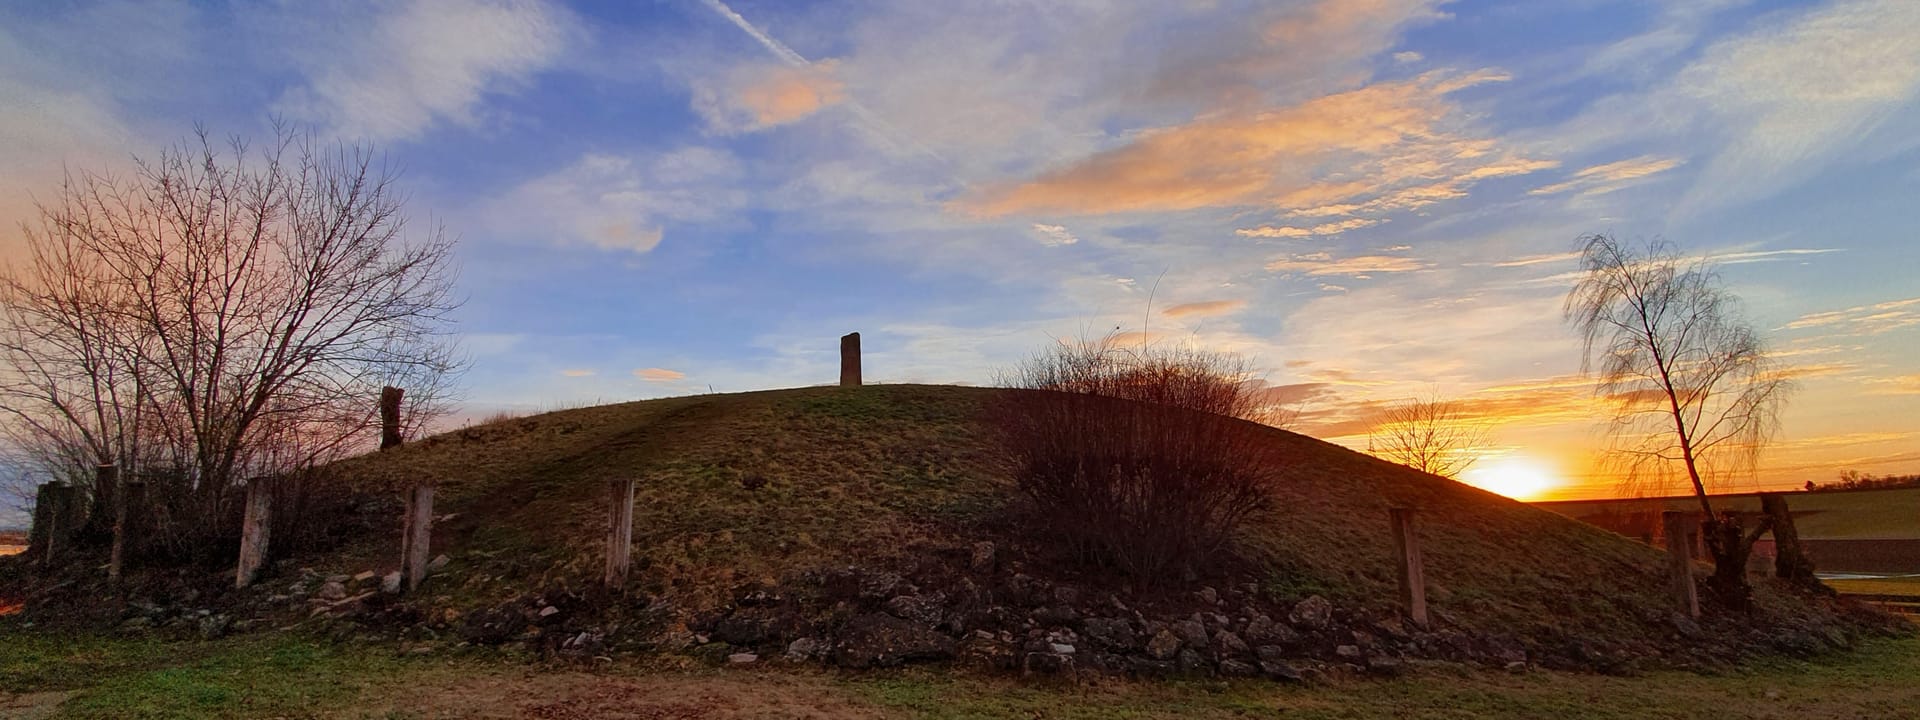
{"x": 1374, "y": 199}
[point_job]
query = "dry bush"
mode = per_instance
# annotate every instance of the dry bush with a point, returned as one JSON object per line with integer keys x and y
{"x": 1140, "y": 460}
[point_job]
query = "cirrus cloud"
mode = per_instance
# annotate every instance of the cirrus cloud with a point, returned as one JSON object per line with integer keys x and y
{"x": 1382, "y": 147}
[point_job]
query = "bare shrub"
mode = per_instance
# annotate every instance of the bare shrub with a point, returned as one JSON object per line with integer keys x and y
{"x": 1142, "y": 460}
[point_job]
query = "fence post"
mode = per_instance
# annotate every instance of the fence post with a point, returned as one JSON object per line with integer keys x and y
{"x": 390, "y": 416}
{"x": 254, "y": 527}
{"x": 52, "y": 521}
{"x": 1413, "y": 573}
{"x": 108, "y": 476}
{"x": 416, "y": 537}
{"x": 1681, "y": 529}
{"x": 620, "y": 532}
{"x": 850, "y": 360}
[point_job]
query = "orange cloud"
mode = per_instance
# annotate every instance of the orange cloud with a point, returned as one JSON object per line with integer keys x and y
{"x": 1611, "y": 176}
{"x": 766, "y": 96}
{"x": 576, "y": 373}
{"x": 1324, "y": 264}
{"x": 1332, "y": 228}
{"x": 658, "y": 374}
{"x": 1205, "y": 309}
{"x": 1400, "y": 136}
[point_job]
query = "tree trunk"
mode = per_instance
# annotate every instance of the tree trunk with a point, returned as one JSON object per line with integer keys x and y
{"x": 1790, "y": 561}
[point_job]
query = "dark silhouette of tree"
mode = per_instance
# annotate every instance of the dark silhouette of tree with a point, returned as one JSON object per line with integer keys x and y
{"x": 1693, "y": 387}
{"x": 1430, "y": 435}
{"x": 218, "y": 315}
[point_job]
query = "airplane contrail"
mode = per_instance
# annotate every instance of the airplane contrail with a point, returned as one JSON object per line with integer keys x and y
{"x": 876, "y": 128}
{"x": 780, "y": 49}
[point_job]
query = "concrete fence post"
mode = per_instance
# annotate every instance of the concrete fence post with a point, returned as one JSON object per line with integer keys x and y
{"x": 255, "y": 526}
{"x": 52, "y": 522}
{"x": 850, "y": 360}
{"x": 390, "y": 416}
{"x": 416, "y": 537}
{"x": 1681, "y": 529}
{"x": 1413, "y": 573}
{"x": 620, "y": 532}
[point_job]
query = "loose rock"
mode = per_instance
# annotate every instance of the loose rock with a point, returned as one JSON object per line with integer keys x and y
{"x": 332, "y": 591}
{"x": 1164, "y": 645}
{"x": 983, "y": 557}
{"x": 1313, "y": 613}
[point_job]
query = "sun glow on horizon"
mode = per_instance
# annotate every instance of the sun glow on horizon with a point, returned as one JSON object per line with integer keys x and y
{"x": 1515, "y": 476}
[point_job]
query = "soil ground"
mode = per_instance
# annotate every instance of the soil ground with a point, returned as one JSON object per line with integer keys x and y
{"x": 43, "y": 675}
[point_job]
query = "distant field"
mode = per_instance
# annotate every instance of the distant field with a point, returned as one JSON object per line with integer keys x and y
{"x": 1834, "y": 515}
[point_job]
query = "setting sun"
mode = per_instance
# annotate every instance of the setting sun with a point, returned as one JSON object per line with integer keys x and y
{"x": 1517, "y": 477}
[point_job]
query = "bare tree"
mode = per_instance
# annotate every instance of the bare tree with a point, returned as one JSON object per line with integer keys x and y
{"x": 221, "y": 314}
{"x": 1694, "y": 388}
{"x": 1430, "y": 435}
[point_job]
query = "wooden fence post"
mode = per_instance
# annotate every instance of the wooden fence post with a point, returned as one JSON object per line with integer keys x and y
{"x": 52, "y": 522}
{"x": 850, "y": 360}
{"x": 390, "y": 416}
{"x": 1413, "y": 574}
{"x": 255, "y": 525}
{"x": 620, "y": 532}
{"x": 416, "y": 537}
{"x": 108, "y": 476}
{"x": 1681, "y": 529}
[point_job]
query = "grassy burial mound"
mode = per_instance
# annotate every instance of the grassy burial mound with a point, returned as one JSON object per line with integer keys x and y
{"x": 875, "y": 526}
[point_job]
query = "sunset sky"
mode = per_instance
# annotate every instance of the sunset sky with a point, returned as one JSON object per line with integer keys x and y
{"x": 1372, "y": 199}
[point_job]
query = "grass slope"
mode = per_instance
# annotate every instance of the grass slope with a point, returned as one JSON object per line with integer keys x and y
{"x": 763, "y": 485}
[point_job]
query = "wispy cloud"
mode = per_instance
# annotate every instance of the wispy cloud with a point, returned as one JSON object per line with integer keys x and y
{"x": 1612, "y": 176}
{"x": 1054, "y": 234}
{"x": 616, "y": 202}
{"x": 423, "y": 62}
{"x": 1864, "y": 319}
{"x": 1400, "y": 145}
{"x": 1332, "y": 228}
{"x": 1359, "y": 266}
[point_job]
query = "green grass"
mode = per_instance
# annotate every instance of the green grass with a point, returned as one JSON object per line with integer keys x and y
{"x": 247, "y": 677}
{"x": 1874, "y": 682}
{"x": 291, "y": 677}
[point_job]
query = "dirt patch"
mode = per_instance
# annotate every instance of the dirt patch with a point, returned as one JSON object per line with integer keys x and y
{"x": 570, "y": 695}
{"x": 31, "y": 706}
